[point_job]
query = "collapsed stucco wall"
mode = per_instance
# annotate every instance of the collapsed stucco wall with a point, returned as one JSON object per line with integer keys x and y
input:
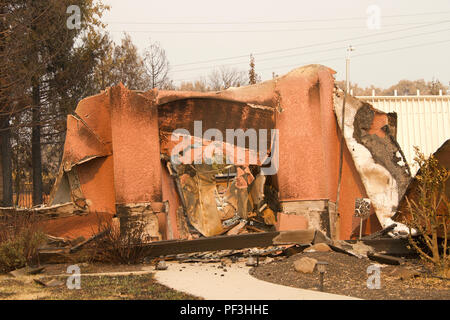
{"x": 376, "y": 154}
{"x": 115, "y": 141}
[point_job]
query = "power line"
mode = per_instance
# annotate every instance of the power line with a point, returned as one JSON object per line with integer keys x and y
{"x": 343, "y": 57}
{"x": 312, "y": 45}
{"x": 262, "y": 30}
{"x": 322, "y": 50}
{"x": 368, "y": 53}
{"x": 274, "y": 22}
{"x": 407, "y": 47}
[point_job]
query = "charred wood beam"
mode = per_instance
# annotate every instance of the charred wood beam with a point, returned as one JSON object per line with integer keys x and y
{"x": 385, "y": 259}
{"x": 395, "y": 247}
{"x": 235, "y": 242}
{"x": 82, "y": 244}
{"x": 170, "y": 247}
{"x": 380, "y": 233}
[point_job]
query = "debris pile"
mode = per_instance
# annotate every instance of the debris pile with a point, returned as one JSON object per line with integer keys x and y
{"x": 264, "y": 255}
{"x": 222, "y": 199}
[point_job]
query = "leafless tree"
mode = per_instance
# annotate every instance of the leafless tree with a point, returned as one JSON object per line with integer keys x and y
{"x": 224, "y": 78}
{"x": 197, "y": 85}
{"x": 157, "y": 66}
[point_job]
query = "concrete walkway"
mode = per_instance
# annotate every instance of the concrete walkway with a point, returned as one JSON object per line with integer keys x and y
{"x": 206, "y": 281}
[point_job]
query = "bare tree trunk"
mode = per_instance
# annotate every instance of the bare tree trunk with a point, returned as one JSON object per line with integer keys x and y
{"x": 5, "y": 147}
{"x": 435, "y": 247}
{"x": 6, "y": 162}
{"x": 36, "y": 148}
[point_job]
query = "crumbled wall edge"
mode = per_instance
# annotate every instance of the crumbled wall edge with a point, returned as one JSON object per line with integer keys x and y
{"x": 380, "y": 185}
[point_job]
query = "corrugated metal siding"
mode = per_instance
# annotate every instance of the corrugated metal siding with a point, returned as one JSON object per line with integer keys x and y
{"x": 423, "y": 121}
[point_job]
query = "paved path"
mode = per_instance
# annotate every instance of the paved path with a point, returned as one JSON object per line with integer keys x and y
{"x": 205, "y": 280}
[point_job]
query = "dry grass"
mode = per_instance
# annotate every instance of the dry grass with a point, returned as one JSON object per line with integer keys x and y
{"x": 119, "y": 247}
{"x": 20, "y": 237}
{"x": 130, "y": 287}
{"x": 429, "y": 213}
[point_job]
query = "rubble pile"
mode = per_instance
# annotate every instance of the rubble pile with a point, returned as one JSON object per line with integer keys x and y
{"x": 263, "y": 255}
{"x": 223, "y": 200}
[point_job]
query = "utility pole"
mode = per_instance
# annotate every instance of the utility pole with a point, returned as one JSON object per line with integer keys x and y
{"x": 347, "y": 68}
{"x": 341, "y": 147}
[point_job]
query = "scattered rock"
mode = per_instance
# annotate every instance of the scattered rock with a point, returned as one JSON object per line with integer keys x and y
{"x": 305, "y": 265}
{"x": 320, "y": 247}
{"x": 268, "y": 260}
{"x": 161, "y": 265}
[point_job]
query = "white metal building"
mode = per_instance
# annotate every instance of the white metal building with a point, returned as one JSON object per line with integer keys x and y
{"x": 423, "y": 121}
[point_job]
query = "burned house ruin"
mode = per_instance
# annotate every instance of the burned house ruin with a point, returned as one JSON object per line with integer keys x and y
{"x": 119, "y": 161}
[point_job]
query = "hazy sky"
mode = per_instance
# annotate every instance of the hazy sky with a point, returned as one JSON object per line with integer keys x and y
{"x": 285, "y": 34}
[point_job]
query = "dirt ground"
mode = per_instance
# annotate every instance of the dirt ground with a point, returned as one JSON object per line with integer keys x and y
{"x": 347, "y": 275}
{"x": 58, "y": 269}
{"x": 127, "y": 287}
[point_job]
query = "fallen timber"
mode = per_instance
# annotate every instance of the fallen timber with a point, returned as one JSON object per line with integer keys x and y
{"x": 234, "y": 242}
{"x": 398, "y": 247}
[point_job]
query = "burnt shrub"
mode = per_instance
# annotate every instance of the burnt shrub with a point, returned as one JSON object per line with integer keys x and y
{"x": 20, "y": 238}
{"x": 117, "y": 246}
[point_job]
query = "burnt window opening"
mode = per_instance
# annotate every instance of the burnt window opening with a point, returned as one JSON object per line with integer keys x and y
{"x": 226, "y": 199}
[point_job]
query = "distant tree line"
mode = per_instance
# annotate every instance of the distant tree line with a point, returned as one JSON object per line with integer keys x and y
{"x": 223, "y": 78}
{"x": 403, "y": 87}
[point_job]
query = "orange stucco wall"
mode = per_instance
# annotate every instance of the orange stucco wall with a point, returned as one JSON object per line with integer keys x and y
{"x": 136, "y": 149}
{"x": 97, "y": 184}
{"x": 309, "y": 149}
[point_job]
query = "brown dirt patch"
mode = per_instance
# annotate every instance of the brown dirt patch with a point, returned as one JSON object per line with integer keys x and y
{"x": 347, "y": 275}
{"x": 57, "y": 269}
{"x": 122, "y": 287}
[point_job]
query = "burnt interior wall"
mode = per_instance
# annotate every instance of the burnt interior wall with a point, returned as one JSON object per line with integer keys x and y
{"x": 214, "y": 113}
{"x": 62, "y": 194}
{"x": 384, "y": 150}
